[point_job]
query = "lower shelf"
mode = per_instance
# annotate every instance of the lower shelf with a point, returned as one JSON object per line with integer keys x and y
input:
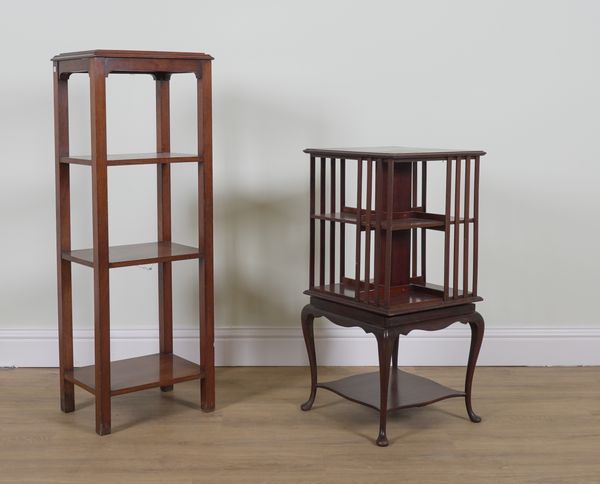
{"x": 403, "y": 299}
{"x": 405, "y": 390}
{"x": 140, "y": 373}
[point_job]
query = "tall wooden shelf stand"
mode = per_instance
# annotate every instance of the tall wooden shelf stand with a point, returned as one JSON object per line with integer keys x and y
{"x": 105, "y": 379}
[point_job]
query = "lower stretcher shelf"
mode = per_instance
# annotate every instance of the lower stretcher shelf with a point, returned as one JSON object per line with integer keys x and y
{"x": 139, "y": 373}
{"x": 405, "y": 390}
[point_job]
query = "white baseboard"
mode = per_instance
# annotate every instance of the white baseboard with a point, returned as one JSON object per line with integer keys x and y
{"x": 335, "y": 347}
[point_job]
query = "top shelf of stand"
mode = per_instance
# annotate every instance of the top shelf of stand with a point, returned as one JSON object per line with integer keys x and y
{"x": 396, "y": 153}
{"x": 131, "y": 62}
{"x": 131, "y": 54}
{"x": 136, "y": 159}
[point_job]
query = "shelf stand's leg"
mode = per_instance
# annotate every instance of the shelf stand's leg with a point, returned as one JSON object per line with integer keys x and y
{"x": 477, "y": 329}
{"x": 205, "y": 238}
{"x": 63, "y": 240}
{"x": 100, "y": 230}
{"x": 385, "y": 342}
{"x": 395, "y": 352}
{"x": 309, "y": 339}
{"x": 163, "y": 179}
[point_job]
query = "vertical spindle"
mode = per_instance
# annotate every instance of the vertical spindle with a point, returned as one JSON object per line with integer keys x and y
{"x": 322, "y": 182}
{"x": 455, "y": 265}
{"x": 466, "y": 227}
{"x": 475, "y": 224}
{"x": 413, "y": 232}
{"x": 368, "y": 228}
{"x": 311, "y": 270}
{"x": 378, "y": 213}
{"x": 358, "y": 228}
{"x": 424, "y": 206}
{"x": 332, "y": 209}
{"x": 342, "y": 225}
{"x": 387, "y": 263}
{"x": 447, "y": 229}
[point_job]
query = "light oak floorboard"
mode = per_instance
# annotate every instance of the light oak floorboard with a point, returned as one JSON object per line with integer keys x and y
{"x": 540, "y": 425}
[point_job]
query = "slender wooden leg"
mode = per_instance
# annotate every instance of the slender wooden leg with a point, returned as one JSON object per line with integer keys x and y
{"x": 163, "y": 178}
{"x": 100, "y": 230}
{"x": 309, "y": 339}
{"x": 385, "y": 342}
{"x": 477, "y": 329}
{"x": 395, "y": 352}
{"x": 63, "y": 242}
{"x": 205, "y": 238}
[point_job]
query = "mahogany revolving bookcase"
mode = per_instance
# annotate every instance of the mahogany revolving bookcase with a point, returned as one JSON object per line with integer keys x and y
{"x": 369, "y": 221}
{"x": 105, "y": 379}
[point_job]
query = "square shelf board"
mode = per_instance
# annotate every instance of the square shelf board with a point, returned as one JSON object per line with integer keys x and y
{"x": 136, "y": 254}
{"x": 140, "y": 373}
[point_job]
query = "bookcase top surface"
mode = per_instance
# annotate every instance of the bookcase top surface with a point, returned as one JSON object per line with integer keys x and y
{"x": 396, "y": 152}
{"x": 131, "y": 54}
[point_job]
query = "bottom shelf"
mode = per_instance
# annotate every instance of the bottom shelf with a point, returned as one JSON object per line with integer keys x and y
{"x": 139, "y": 373}
{"x": 403, "y": 299}
{"x": 405, "y": 390}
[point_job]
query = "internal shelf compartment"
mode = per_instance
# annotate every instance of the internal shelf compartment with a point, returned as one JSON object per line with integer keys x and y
{"x": 403, "y": 299}
{"x": 405, "y": 221}
{"x": 134, "y": 374}
{"x": 136, "y": 254}
{"x": 135, "y": 159}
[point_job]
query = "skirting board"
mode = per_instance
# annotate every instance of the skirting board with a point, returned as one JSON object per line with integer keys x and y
{"x": 335, "y": 347}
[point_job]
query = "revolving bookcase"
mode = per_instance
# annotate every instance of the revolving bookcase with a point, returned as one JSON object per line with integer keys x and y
{"x": 369, "y": 221}
{"x": 106, "y": 379}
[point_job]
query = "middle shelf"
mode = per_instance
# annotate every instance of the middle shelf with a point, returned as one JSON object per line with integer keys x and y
{"x": 135, "y": 159}
{"x": 401, "y": 221}
{"x": 136, "y": 254}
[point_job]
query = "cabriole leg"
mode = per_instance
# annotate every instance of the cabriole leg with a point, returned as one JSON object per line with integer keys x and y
{"x": 385, "y": 343}
{"x": 309, "y": 338}
{"x": 395, "y": 352}
{"x": 477, "y": 328}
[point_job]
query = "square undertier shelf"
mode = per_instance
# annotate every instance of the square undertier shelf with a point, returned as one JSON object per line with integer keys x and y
{"x": 136, "y": 254}
{"x": 134, "y": 374}
{"x": 405, "y": 390}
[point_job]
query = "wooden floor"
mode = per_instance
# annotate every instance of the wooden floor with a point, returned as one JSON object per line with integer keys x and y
{"x": 540, "y": 425}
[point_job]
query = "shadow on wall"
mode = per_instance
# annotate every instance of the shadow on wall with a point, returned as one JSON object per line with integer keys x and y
{"x": 262, "y": 260}
{"x": 261, "y": 209}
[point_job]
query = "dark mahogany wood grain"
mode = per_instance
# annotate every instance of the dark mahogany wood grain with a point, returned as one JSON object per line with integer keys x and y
{"x": 405, "y": 390}
{"x": 163, "y": 217}
{"x": 131, "y": 54}
{"x": 400, "y": 297}
{"x": 205, "y": 237}
{"x": 160, "y": 65}
{"x": 397, "y": 218}
{"x": 100, "y": 249}
{"x": 389, "y": 388}
{"x": 404, "y": 299}
{"x": 394, "y": 152}
{"x": 135, "y": 158}
{"x": 63, "y": 241}
{"x": 134, "y": 374}
{"x": 136, "y": 254}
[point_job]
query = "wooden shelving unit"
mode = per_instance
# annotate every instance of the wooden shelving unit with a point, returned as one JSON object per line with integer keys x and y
{"x": 106, "y": 379}
{"x": 369, "y": 220}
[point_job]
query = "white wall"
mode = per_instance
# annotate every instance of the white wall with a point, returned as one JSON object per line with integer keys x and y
{"x": 517, "y": 79}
